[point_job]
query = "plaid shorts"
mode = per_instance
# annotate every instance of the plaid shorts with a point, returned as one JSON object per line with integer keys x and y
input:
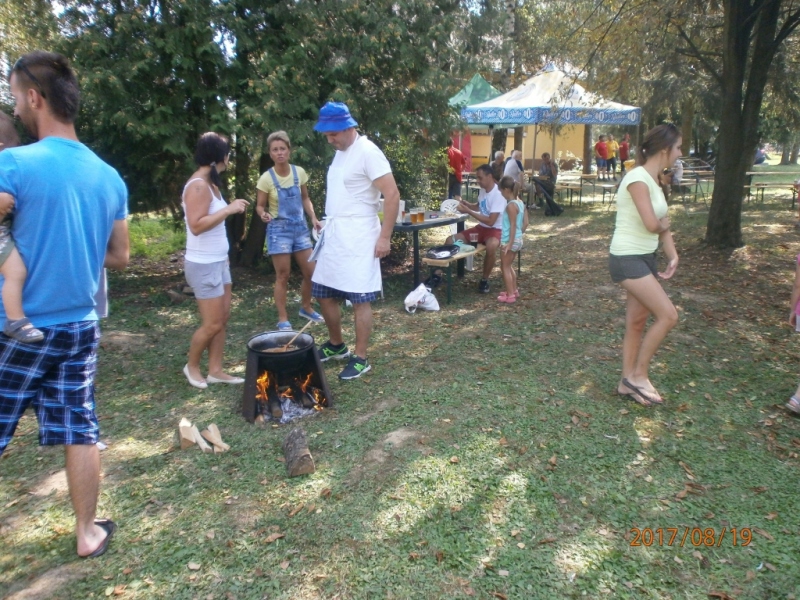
{"x": 56, "y": 376}
{"x": 323, "y": 291}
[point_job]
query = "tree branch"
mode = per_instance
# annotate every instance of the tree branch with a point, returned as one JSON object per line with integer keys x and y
{"x": 699, "y": 55}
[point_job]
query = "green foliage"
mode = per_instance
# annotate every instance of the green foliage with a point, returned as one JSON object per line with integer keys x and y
{"x": 155, "y": 237}
{"x": 421, "y": 176}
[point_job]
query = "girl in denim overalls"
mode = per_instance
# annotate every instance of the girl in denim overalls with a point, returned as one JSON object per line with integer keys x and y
{"x": 282, "y": 197}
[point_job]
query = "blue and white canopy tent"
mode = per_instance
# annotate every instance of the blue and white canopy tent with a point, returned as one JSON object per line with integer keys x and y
{"x": 550, "y": 97}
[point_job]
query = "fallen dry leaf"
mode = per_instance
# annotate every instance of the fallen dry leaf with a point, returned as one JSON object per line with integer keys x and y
{"x": 119, "y": 590}
{"x": 454, "y": 460}
{"x": 297, "y": 509}
{"x": 749, "y": 576}
{"x": 514, "y": 532}
{"x": 502, "y": 573}
{"x": 272, "y": 537}
{"x": 769, "y": 566}
{"x": 771, "y": 516}
{"x": 281, "y": 459}
{"x": 439, "y": 556}
{"x": 503, "y": 441}
{"x": 285, "y": 564}
{"x": 548, "y": 540}
{"x": 686, "y": 468}
{"x": 520, "y": 545}
{"x": 413, "y": 555}
{"x": 763, "y": 533}
{"x": 760, "y": 489}
{"x": 127, "y": 571}
{"x": 553, "y": 460}
{"x": 720, "y": 595}
{"x": 193, "y": 566}
{"x": 575, "y": 420}
{"x": 499, "y": 595}
{"x": 210, "y": 535}
{"x": 326, "y": 493}
{"x": 678, "y": 560}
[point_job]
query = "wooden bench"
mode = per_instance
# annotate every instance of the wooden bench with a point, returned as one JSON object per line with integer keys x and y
{"x": 463, "y": 253}
{"x": 571, "y": 188}
{"x": 760, "y": 188}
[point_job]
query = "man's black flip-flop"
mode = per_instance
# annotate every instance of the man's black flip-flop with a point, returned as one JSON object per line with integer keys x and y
{"x": 110, "y": 527}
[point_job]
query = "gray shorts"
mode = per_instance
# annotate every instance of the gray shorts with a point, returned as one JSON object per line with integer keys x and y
{"x": 6, "y": 241}
{"x": 208, "y": 280}
{"x": 634, "y": 266}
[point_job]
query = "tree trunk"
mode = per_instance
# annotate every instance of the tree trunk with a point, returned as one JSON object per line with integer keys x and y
{"x": 499, "y": 137}
{"x": 518, "y": 133}
{"x": 235, "y": 224}
{"x": 588, "y": 154}
{"x": 795, "y": 151}
{"x": 687, "y": 119}
{"x": 740, "y": 108}
{"x": 253, "y": 246}
{"x": 786, "y": 152}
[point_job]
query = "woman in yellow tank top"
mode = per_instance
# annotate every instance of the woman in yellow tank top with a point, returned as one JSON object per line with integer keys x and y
{"x": 642, "y": 224}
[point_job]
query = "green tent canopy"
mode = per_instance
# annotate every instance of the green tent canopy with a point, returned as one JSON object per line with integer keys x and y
{"x": 476, "y": 91}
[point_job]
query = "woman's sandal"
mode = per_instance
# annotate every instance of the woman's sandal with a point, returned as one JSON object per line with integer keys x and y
{"x": 794, "y": 405}
{"x": 23, "y": 331}
{"x": 647, "y": 398}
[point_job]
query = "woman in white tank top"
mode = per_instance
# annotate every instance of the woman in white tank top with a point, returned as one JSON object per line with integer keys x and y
{"x": 206, "y": 264}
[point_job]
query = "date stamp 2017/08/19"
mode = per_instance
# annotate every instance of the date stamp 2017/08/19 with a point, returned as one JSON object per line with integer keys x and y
{"x": 696, "y": 536}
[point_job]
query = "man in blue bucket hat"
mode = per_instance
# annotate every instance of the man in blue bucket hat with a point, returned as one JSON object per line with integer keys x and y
{"x": 353, "y": 240}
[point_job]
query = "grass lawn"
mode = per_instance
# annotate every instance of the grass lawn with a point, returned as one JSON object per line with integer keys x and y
{"x": 485, "y": 456}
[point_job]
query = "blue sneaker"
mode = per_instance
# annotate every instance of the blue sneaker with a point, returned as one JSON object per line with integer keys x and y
{"x": 312, "y": 316}
{"x": 355, "y": 368}
{"x": 284, "y": 326}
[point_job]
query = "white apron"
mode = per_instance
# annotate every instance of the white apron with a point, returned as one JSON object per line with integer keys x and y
{"x": 346, "y": 260}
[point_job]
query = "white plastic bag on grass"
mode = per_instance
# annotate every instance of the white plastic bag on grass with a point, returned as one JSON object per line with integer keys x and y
{"x": 422, "y": 298}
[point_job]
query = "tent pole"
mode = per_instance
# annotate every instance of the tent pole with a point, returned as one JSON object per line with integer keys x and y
{"x": 535, "y": 133}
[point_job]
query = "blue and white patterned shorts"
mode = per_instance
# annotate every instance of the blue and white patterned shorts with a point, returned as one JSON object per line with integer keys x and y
{"x": 57, "y": 378}
{"x": 323, "y": 291}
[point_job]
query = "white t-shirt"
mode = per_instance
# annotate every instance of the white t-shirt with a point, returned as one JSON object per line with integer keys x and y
{"x": 492, "y": 202}
{"x": 512, "y": 169}
{"x": 363, "y": 162}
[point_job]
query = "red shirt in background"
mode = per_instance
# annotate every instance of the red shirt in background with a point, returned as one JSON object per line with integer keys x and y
{"x": 624, "y": 148}
{"x": 601, "y": 150}
{"x": 457, "y": 161}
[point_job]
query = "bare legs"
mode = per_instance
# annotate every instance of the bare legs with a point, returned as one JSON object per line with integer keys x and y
{"x": 645, "y": 297}
{"x": 83, "y": 477}
{"x": 491, "y": 244}
{"x": 283, "y": 267}
{"x": 509, "y": 274}
{"x": 333, "y": 319}
{"x": 214, "y": 313}
{"x": 14, "y": 272}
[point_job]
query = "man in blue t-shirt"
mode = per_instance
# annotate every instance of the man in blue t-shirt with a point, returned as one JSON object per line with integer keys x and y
{"x": 70, "y": 222}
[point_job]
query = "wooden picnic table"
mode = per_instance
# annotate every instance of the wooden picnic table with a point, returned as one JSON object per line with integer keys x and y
{"x": 415, "y": 228}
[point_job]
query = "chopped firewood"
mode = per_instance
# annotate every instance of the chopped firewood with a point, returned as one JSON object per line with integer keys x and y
{"x": 212, "y": 434}
{"x": 185, "y": 435}
{"x": 200, "y": 441}
{"x": 298, "y": 456}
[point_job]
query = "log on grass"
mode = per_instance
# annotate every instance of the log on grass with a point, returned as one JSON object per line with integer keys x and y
{"x": 298, "y": 457}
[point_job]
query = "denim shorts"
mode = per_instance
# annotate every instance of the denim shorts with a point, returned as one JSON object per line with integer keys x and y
{"x": 634, "y": 266}
{"x": 287, "y": 237}
{"x": 56, "y": 377}
{"x": 602, "y": 163}
{"x": 208, "y": 280}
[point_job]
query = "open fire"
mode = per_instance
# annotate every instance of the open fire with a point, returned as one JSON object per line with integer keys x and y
{"x": 282, "y": 386}
{"x": 273, "y": 398}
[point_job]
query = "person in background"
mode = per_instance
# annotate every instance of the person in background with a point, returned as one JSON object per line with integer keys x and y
{"x": 515, "y": 222}
{"x": 513, "y": 169}
{"x": 601, "y": 158}
{"x": 12, "y": 268}
{"x": 624, "y": 152}
{"x": 281, "y": 199}
{"x": 353, "y": 240}
{"x": 489, "y": 214}
{"x": 457, "y": 163}
{"x": 206, "y": 261}
{"x": 794, "y": 305}
{"x": 70, "y": 222}
{"x": 548, "y": 171}
{"x": 613, "y": 151}
{"x": 761, "y": 156}
{"x": 642, "y": 225}
{"x": 498, "y": 165}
